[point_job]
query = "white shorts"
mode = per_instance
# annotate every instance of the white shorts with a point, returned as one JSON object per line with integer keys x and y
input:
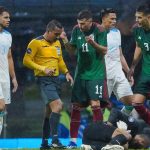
{"x": 120, "y": 86}
{"x": 5, "y": 92}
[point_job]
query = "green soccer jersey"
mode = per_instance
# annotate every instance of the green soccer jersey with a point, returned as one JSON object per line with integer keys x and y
{"x": 142, "y": 38}
{"x": 90, "y": 63}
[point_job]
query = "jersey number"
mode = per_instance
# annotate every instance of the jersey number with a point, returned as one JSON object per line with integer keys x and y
{"x": 85, "y": 47}
{"x": 147, "y": 46}
{"x": 99, "y": 90}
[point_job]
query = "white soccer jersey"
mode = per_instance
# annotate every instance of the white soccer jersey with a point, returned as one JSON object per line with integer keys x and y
{"x": 116, "y": 79}
{"x": 5, "y": 44}
{"x": 112, "y": 58}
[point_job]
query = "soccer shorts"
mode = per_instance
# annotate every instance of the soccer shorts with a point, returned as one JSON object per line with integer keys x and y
{"x": 5, "y": 92}
{"x": 50, "y": 88}
{"x": 143, "y": 86}
{"x": 86, "y": 90}
{"x": 120, "y": 86}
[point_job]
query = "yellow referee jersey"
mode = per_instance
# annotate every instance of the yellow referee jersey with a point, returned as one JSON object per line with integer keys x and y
{"x": 41, "y": 54}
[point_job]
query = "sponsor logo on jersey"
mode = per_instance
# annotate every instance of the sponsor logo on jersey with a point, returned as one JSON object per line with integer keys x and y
{"x": 139, "y": 37}
{"x": 79, "y": 38}
{"x": 29, "y": 51}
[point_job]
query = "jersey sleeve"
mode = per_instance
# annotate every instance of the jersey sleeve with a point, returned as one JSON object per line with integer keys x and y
{"x": 102, "y": 38}
{"x": 28, "y": 59}
{"x": 135, "y": 33}
{"x": 73, "y": 39}
{"x": 10, "y": 40}
{"x": 119, "y": 38}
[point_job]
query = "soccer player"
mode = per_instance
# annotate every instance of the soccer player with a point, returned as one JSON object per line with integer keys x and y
{"x": 44, "y": 56}
{"x": 119, "y": 130}
{"x": 142, "y": 36}
{"x": 6, "y": 63}
{"x": 115, "y": 61}
{"x": 90, "y": 87}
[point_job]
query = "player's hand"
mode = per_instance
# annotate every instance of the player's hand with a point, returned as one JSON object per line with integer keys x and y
{"x": 63, "y": 36}
{"x": 122, "y": 125}
{"x": 49, "y": 72}
{"x": 131, "y": 81}
{"x": 69, "y": 78}
{"x": 15, "y": 85}
{"x": 130, "y": 74}
{"x": 89, "y": 39}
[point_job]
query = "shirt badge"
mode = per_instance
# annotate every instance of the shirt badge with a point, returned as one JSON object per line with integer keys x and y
{"x": 58, "y": 50}
{"x": 29, "y": 51}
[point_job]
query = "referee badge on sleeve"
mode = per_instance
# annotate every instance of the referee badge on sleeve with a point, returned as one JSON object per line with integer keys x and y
{"x": 58, "y": 50}
{"x": 29, "y": 50}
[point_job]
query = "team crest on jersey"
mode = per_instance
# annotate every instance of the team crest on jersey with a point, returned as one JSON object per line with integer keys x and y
{"x": 58, "y": 50}
{"x": 29, "y": 51}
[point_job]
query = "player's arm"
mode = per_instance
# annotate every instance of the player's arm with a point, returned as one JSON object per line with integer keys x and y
{"x": 136, "y": 59}
{"x": 12, "y": 71}
{"x": 137, "y": 56}
{"x": 62, "y": 66}
{"x": 100, "y": 43}
{"x": 70, "y": 48}
{"x": 99, "y": 48}
{"x": 64, "y": 70}
{"x": 123, "y": 62}
{"x": 28, "y": 59}
{"x": 125, "y": 66}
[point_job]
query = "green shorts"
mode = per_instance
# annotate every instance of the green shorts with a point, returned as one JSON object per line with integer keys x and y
{"x": 86, "y": 90}
{"x": 143, "y": 86}
{"x": 50, "y": 88}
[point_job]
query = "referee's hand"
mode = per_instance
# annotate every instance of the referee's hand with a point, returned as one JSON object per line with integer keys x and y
{"x": 69, "y": 78}
{"x": 49, "y": 72}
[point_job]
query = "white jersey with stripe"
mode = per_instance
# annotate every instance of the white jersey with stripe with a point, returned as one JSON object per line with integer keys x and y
{"x": 5, "y": 44}
{"x": 112, "y": 58}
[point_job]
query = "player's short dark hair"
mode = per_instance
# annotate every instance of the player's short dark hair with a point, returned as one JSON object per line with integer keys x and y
{"x": 144, "y": 8}
{"x": 84, "y": 14}
{"x": 106, "y": 11}
{"x": 53, "y": 24}
{"x": 3, "y": 9}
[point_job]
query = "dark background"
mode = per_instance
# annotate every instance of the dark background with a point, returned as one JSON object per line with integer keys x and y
{"x": 28, "y": 20}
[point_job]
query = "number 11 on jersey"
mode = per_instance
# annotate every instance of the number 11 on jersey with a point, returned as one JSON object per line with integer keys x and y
{"x": 85, "y": 47}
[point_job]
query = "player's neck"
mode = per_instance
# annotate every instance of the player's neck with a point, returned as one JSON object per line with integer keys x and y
{"x": 1, "y": 28}
{"x": 104, "y": 26}
{"x": 46, "y": 38}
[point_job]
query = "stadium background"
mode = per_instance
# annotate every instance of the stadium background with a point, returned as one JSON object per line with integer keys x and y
{"x": 28, "y": 20}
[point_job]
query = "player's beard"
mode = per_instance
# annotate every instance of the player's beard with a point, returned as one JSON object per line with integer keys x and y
{"x": 146, "y": 25}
